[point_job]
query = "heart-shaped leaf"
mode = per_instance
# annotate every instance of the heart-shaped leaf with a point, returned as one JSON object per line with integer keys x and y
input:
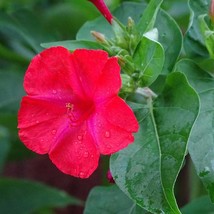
{"x": 201, "y": 145}
{"x": 147, "y": 170}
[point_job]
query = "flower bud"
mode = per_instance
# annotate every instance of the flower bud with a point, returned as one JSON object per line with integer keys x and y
{"x": 212, "y": 11}
{"x": 110, "y": 177}
{"x": 98, "y": 36}
{"x": 101, "y": 6}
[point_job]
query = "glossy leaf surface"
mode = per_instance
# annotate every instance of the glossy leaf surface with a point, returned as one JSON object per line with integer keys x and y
{"x": 108, "y": 200}
{"x": 201, "y": 145}
{"x": 147, "y": 170}
{"x": 194, "y": 44}
{"x": 148, "y": 59}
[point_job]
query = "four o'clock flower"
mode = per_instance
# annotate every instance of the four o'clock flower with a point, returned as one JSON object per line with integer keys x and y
{"x": 72, "y": 110}
{"x": 101, "y": 6}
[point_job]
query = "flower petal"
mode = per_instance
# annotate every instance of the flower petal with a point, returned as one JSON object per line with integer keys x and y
{"x": 88, "y": 67}
{"x": 39, "y": 123}
{"x": 113, "y": 125}
{"x": 75, "y": 152}
{"x": 118, "y": 113}
{"x": 109, "y": 82}
{"x": 34, "y": 111}
{"x": 49, "y": 74}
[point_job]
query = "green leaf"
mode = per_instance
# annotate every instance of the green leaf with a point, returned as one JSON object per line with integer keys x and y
{"x": 147, "y": 21}
{"x": 193, "y": 41}
{"x": 73, "y": 44}
{"x": 109, "y": 200}
{"x": 207, "y": 65}
{"x": 147, "y": 170}
{"x": 11, "y": 90}
{"x": 207, "y": 34}
{"x": 148, "y": 59}
{"x": 170, "y": 38}
{"x": 20, "y": 196}
{"x": 201, "y": 145}
{"x": 199, "y": 206}
{"x": 169, "y": 32}
{"x": 4, "y": 146}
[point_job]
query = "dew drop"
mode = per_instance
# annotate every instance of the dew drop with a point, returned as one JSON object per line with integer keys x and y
{"x": 85, "y": 155}
{"x": 37, "y": 121}
{"x": 82, "y": 174}
{"x": 32, "y": 115}
{"x": 79, "y": 137}
{"x": 108, "y": 146}
{"x": 107, "y": 134}
{"x": 54, "y": 91}
{"x": 53, "y": 131}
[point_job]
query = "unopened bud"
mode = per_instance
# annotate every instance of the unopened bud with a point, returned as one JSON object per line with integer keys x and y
{"x": 101, "y": 6}
{"x": 98, "y": 36}
{"x": 212, "y": 11}
{"x": 110, "y": 177}
{"x": 121, "y": 61}
{"x": 130, "y": 23}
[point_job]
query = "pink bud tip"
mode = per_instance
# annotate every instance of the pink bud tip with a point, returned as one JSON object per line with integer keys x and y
{"x": 212, "y": 10}
{"x": 110, "y": 177}
{"x": 101, "y": 6}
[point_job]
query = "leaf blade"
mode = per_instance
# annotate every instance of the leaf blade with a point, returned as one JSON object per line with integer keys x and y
{"x": 142, "y": 170}
{"x": 201, "y": 140}
{"x": 21, "y": 196}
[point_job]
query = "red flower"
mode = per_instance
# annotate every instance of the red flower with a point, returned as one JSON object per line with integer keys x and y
{"x": 72, "y": 110}
{"x": 101, "y": 6}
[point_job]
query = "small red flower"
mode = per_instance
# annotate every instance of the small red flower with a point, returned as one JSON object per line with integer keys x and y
{"x": 101, "y": 6}
{"x": 72, "y": 110}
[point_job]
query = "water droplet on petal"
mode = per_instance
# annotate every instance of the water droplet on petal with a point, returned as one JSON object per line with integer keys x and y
{"x": 37, "y": 121}
{"x": 54, "y": 91}
{"x": 32, "y": 115}
{"x": 108, "y": 146}
{"x": 85, "y": 155}
{"x": 53, "y": 131}
{"x": 107, "y": 134}
{"x": 82, "y": 174}
{"x": 79, "y": 137}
